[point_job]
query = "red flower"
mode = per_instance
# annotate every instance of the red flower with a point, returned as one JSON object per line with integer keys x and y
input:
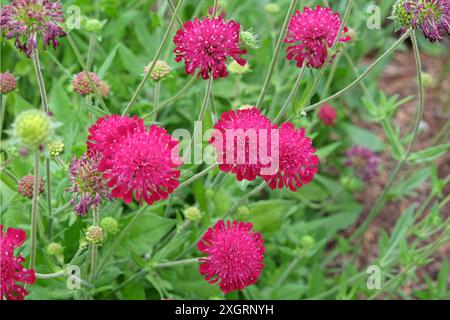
{"x": 235, "y": 255}
{"x": 110, "y": 130}
{"x": 12, "y": 270}
{"x": 238, "y": 137}
{"x": 327, "y": 114}
{"x": 144, "y": 164}
{"x": 297, "y": 161}
{"x": 314, "y": 30}
{"x": 206, "y": 44}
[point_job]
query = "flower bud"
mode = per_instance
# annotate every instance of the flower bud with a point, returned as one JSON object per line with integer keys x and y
{"x": 33, "y": 128}
{"x": 94, "y": 235}
{"x": 160, "y": 71}
{"x": 307, "y": 242}
{"x": 26, "y": 186}
{"x": 248, "y": 40}
{"x": 236, "y": 68}
{"x": 93, "y": 25}
{"x": 54, "y": 249}
{"x": 428, "y": 80}
{"x": 55, "y": 148}
{"x": 400, "y": 15}
{"x": 272, "y": 8}
{"x": 110, "y": 225}
{"x": 193, "y": 214}
{"x": 209, "y": 194}
{"x": 104, "y": 88}
{"x": 7, "y": 82}
{"x": 81, "y": 83}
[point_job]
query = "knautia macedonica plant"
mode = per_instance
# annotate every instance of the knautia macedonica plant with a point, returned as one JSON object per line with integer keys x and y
{"x": 280, "y": 199}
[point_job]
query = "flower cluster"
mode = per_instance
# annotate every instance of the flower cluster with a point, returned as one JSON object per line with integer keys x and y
{"x": 327, "y": 114}
{"x": 247, "y": 142}
{"x": 26, "y": 20}
{"x": 82, "y": 85}
{"x": 206, "y": 44}
{"x": 432, "y": 17}
{"x": 134, "y": 160}
{"x": 364, "y": 161}
{"x": 87, "y": 184}
{"x": 311, "y": 33}
{"x": 8, "y": 82}
{"x": 235, "y": 255}
{"x": 26, "y": 186}
{"x": 12, "y": 270}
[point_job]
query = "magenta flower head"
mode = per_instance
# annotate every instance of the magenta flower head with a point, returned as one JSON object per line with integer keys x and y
{"x": 26, "y": 186}
{"x": 235, "y": 255}
{"x": 144, "y": 164}
{"x": 110, "y": 130}
{"x": 26, "y": 20}
{"x": 327, "y": 114}
{"x": 82, "y": 85}
{"x": 87, "y": 184}
{"x": 8, "y": 82}
{"x": 364, "y": 161}
{"x": 238, "y": 138}
{"x": 311, "y": 33}
{"x": 12, "y": 270}
{"x": 432, "y": 17}
{"x": 205, "y": 45}
{"x": 297, "y": 162}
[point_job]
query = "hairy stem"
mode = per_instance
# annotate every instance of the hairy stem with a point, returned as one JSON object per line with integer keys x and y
{"x": 156, "y": 100}
{"x": 157, "y": 55}
{"x": 276, "y": 53}
{"x": 177, "y": 263}
{"x": 34, "y": 210}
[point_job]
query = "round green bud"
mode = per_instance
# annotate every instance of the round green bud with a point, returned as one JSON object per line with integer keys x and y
{"x": 272, "y": 8}
{"x": 54, "y": 249}
{"x": 55, "y": 148}
{"x": 307, "y": 242}
{"x": 192, "y": 213}
{"x": 428, "y": 80}
{"x": 94, "y": 235}
{"x": 236, "y": 68}
{"x": 33, "y": 128}
{"x": 401, "y": 17}
{"x": 248, "y": 40}
{"x": 110, "y": 225}
{"x": 93, "y": 25}
{"x": 160, "y": 71}
{"x": 243, "y": 212}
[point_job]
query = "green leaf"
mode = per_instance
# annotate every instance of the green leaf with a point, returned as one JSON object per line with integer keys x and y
{"x": 269, "y": 214}
{"x": 363, "y": 137}
{"x": 429, "y": 154}
{"x": 108, "y": 61}
{"x": 324, "y": 152}
{"x": 146, "y": 231}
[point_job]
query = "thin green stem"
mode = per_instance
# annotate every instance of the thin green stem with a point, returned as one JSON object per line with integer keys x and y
{"x": 177, "y": 263}
{"x": 156, "y": 100}
{"x": 34, "y": 210}
{"x": 153, "y": 63}
{"x": 88, "y": 74}
{"x": 276, "y": 53}
{"x": 172, "y": 7}
{"x": 197, "y": 176}
{"x": 94, "y": 248}
{"x": 362, "y": 76}
{"x": 2, "y": 112}
{"x": 175, "y": 98}
{"x": 382, "y": 197}
{"x": 91, "y": 48}
{"x": 291, "y": 96}
{"x": 287, "y": 272}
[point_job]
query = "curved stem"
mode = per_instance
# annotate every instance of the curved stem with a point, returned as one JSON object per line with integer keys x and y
{"x": 197, "y": 176}
{"x": 34, "y": 210}
{"x": 156, "y": 100}
{"x": 367, "y": 71}
{"x": 273, "y": 63}
{"x": 177, "y": 263}
{"x": 158, "y": 54}
{"x": 176, "y": 97}
{"x": 291, "y": 95}
{"x": 94, "y": 248}
{"x": 90, "y": 55}
{"x": 86, "y": 71}
{"x": 286, "y": 272}
{"x": 382, "y": 197}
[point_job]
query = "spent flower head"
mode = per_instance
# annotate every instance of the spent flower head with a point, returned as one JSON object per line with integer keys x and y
{"x": 33, "y": 128}
{"x": 26, "y": 186}
{"x": 160, "y": 71}
{"x": 363, "y": 161}
{"x": 95, "y": 235}
{"x": 28, "y": 20}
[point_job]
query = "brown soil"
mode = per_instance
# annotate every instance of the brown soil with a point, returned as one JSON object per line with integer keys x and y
{"x": 399, "y": 78}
